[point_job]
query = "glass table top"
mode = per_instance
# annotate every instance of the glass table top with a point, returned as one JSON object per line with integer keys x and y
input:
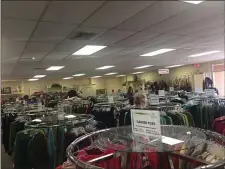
{"x": 172, "y": 139}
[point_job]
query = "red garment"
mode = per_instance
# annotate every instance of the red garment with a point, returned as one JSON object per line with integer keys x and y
{"x": 112, "y": 163}
{"x": 59, "y": 167}
{"x": 217, "y": 120}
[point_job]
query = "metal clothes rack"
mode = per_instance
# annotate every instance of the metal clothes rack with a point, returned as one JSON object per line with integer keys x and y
{"x": 73, "y": 149}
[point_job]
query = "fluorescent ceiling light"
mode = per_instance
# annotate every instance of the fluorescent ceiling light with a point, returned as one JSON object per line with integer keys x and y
{"x": 33, "y": 79}
{"x": 96, "y": 76}
{"x": 88, "y": 50}
{"x": 113, "y": 73}
{"x": 70, "y": 116}
{"x": 137, "y": 73}
{"x": 104, "y": 67}
{"x": 66, "y": 78}
{"x": 158, "y": 52}
{"x": 142, "y": 67}
{"x": 120, "y": 75}
{"x": 81, "y": 74}
{"x": 39, "y": 76}
{"x": 194, "y": 2}
{"x": 173, "y": 66}
{"x": 37, "y": 120}
{"x": 55, "y": 67}
{"x": 202, "y": 54}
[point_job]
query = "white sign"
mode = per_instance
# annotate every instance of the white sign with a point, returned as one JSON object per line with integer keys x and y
{"x": 161, "y": 93}
{"x": 163, "y": 71}
{"x": 146, "y": 123}
{"x": 110, "y": 99}
{"x": 171, "y": 89}
{"x": 209, "y": 92}
{"x": 153, "y": 99}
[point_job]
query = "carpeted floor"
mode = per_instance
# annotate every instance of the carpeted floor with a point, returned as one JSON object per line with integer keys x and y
{"x": 6, "y": 160}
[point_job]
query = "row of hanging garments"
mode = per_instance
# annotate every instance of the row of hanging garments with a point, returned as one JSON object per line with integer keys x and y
{"x": 170, "y": 114}
{"x": 43, "y": 142}
{"x": 205, "y": 110}
{"x": 76, "y": 106}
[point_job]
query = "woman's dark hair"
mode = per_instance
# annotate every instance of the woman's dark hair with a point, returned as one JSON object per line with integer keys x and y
{"x": 130, "y": 90}
{"x": 25, "y": 97}
{"x": 72, "y": 93}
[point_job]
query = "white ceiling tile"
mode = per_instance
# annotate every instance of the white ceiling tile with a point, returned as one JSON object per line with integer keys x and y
{"x": 56, "y": 55}
{"x": 70, "y": 45}
{"x": 151, "y": 15}
{"x": 115, "y": 12}
{"x": 112, "y": 37}
{"x": 51, "y": 32}
{"x": 37, "y": 50}
{"x": 212, "y": 21}
{"x": 157, "y": 40}
{"x": 11, "y": 49}
{"x": 182, "y": 19}
{"x": 23, "y": 9}
{"x": 17, "y": 30}
{"x": 70, "y": 12}
{"x": 137, "y": 38}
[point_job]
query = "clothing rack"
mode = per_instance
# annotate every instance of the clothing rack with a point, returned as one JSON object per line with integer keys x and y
{"x": 74, "y": 150}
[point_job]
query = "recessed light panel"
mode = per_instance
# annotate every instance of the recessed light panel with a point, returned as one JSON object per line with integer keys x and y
{"x": 104, "y": 67}
{"x": 137, "y": 73}
{"x": 204, "y": 53}
{"x": 142, "y": 67}
{"x": 77, "y": 75}
{"x": 113, "y": 73}
{"x": 173, "y": 66}
{"x": 89, "y": 50}
{"x": 120, "y": 75}
{"x": 194, "y": 2}
{"x": 55, "y": 67}
{"x": 33, "y": 79}
{"x": 39, "y": 76}
{"x": 66, "y": 78}
{"x": 158, "y": 52}
{"x": 96, "y": 76}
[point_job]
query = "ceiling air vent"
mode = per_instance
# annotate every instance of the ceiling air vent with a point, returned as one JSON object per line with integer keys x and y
{"x": 82, "y": 36}
{"x": 38, "y": 68}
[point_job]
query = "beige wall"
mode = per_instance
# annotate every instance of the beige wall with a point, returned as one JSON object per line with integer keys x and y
{"x": 112, "y": 83}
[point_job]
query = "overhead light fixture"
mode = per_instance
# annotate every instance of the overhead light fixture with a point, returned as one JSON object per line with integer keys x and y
{"x": 113, "y": 73}
{"x": 39, "y": 76}
{"x": 104, "y": 67}
{"x": 89, "y": 50}
{"x": 33, "y": 79}
{"x": 77, "y": 75}
{"x": 120, "y": 75}
{"x": 70, "y": 116}
{"x": 173, "y": 66}
{"x": 194, "y": 2}
{"x": 96, "y": 76}
{"x": 55, "y": 67}
{"x": 204, "y": 53}
{"x": 158, "y": 52}
{"x": 137, "y": 73}
{"x": 142, "y": 67}
{"x": 66, "y": 78}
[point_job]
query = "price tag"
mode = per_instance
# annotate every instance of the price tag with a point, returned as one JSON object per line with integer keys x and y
{"x": 209, "y": 92}
{"x": 110, "y": 99}
{"x": 171, "y": 89}
{"x": 161, "y": 93}
{"x": 146, "y": 123}
{"x": 154, "y": 99}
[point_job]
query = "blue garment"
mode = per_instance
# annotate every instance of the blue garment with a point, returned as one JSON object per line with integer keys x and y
{"x": 60, "y": 145}
{"x": 51, "y": 148}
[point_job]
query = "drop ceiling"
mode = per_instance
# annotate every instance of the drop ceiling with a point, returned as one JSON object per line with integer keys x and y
{"x": 42, "y": 30}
